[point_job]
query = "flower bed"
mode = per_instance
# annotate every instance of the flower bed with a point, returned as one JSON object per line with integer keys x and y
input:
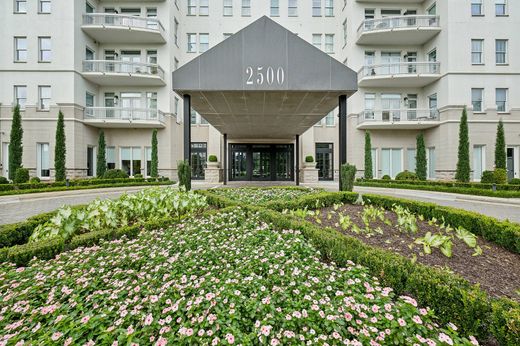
{"x": 256, "y": 196}
{"x": 221, "y": 279}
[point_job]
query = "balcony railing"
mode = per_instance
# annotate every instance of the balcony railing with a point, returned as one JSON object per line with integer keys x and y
{"x": 120, "y": 20}
{"x": 401, "y": 22}
{"x": 117, "y": 66}
{"x": 403, "y": 68}
{"x": 399, "y": 115}
{"x": 130, "y": 114}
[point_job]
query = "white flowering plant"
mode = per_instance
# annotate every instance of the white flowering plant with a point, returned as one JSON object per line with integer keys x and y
{"x": 256, "y": 196}
{"x": 220, "y": 279}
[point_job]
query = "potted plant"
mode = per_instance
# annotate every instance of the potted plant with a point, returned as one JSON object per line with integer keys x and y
{"x": 212, "y": 161}
{"x": 309, "y": 162}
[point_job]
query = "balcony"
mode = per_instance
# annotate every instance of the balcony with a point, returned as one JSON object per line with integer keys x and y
{"x": 123, "y": 73}
{"x": 400, "y": 2}
{"x": 402, "y": 75}
{"x": 403, "y": 30}
{"x": 400, "y": 119}
{"x": 117, "y": 28}
{"x": 114, "y": 117}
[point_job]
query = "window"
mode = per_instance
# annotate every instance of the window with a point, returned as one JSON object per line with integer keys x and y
{"x": 431, "y": 163}
{"x": 501, "y": 98}
{"x": 110, "y": 157}
{"x": 391, "y": 161}
{"x": 203, "y": 7}
{"x": 500, "y": 8}
{"x": 411, "y": 160}
{"x": 192, "y": 8}
{"x": 476, "y": 8}
{"x": 370, "y": 104}
{"x": 89, "y": 103}
{"x": 329, "y": 43}
{"x": 199, "y": 157}
{"x": 45, "y": 54}
{"x": 203, "y": 42}
{"x": 345, "y": 32}
{"x": 89, "y": 8}
{"x": 176, "y": 32}
{"x": 316, "y": 40}
{"x": 131, "y": 160}
{"x": 152, "y": 14}
{"x": 20, "y": 49}
{"x": 501, "y": 52}
{"x": 329, "y": 119}
{"x": 176, "y": 106}
{"x": 477, "y": 99}
{"x": 43, "y": 169}
{"x": 44, "y": 92}
{"x": 192, "y": 43}
{"x": 246, "y": 8}
{"x": 479, "y": 161}
{"x": 148, "y": 160}
{"x": 228, "y": 8}
{"x": 44, "y": 6}
{"x": 316, "y": 8}
{"x": 20, "y": 95}
{"x": 477, "y": 48}
{"x": 20, "y": 6}
{"x": 292, "y": 8}
{"x": 374, "y": 163}
{"x": 275, "y": 8}
{"x": 329, "y": 8}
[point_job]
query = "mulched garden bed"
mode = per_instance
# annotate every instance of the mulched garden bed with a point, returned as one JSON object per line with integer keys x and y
{"x": 496, "y": 270}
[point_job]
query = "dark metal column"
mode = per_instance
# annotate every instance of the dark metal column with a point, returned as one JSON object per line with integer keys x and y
{"x": 342, "y": 133}
{"x": 225, "y": 159}
{"x": 297, "y": 160}
{"x": 187, "y": 128}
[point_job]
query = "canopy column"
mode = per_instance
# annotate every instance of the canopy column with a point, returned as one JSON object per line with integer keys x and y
{"x": 342, "y": 133}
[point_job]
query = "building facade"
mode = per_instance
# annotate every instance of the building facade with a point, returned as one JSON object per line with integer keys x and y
{"x": 107, "y": 66}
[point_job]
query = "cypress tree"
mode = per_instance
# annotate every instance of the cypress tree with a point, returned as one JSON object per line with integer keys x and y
{"x": 463, "y": 167}
{"x": 101, "y": 164}
{"x": 60, "y": 150}
{"x": 368, "y": 156}
{"x": 500, "y": 147}
{"x": 15, "y": 143}
{"x": 155, "y": 161}
{"x": 420, "y": 158}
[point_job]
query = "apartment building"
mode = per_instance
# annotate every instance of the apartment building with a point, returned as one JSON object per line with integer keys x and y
{"x": 107, "y": 65}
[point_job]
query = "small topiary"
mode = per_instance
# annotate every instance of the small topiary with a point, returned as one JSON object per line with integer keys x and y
{"x": 406, "y": 176}
{"x": 348, "y": 176}
{"x": 487, "y": 177}
{"x": 4, "y": 180}
{"x": 500, "y": 176}
{"x": 386, "y": 177}
{"x": 21, "y": 175}
{"x": 212, "y": 158}
{"x": 115, "y": 174}
{"x": 34, "y": 180}
{"x": 515, "y": 181}
{"x": 309, "y": 159}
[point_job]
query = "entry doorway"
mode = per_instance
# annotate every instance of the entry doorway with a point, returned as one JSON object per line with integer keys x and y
{"x": 199, "y": 153}
{"x": 513, "y": 164}
{"x": 325, "y": 161}
{"x": 261, "y": 162}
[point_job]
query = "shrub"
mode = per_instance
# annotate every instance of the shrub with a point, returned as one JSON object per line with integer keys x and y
{"x": 500, "y": 147}
{"x": 406, "y": 176}
{"x": 500, "y": 176}
{"x": 115, "y": 174}
{"x": 309, "y": 159}
{"x": 138, "y": 176}
{"x": 21, "y": 175}
{"x": 515, "y": 181}
{"x": 154, "y": 170}
{"x": 348, "y": 176}
{"x": 386, "y": 177}
{"x": 101, "y": 161}
{"x": 212, "y": 158}
{"x": 487, "y": 177}
{"x": 463, "y": 166}
{"x": 60, "y": 150}
{"x": 3, "y": 180}
{"x": 368, "y": 157}
{"x": 184, "y": 173}
{"x": 34, "y": 180}
{"x": 15, "y": 143}
{"x": 420, "y": 160}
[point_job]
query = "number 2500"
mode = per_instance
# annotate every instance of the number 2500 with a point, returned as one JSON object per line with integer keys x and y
{"x": 265, "y": 75}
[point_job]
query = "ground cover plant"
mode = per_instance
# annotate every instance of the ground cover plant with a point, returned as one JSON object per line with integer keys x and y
{"x": 227, "y": 278}
{"x": 257, "y": 196}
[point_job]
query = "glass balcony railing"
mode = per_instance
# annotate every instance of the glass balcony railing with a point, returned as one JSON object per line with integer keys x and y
{"x": 116, "y": 113}
{"x": 406, "y": 22}
{"x": 399, "y": 115}
{"x": 126, "y": 67}
{"x": 401, "y": 68}
{"x": 125, "y": 21}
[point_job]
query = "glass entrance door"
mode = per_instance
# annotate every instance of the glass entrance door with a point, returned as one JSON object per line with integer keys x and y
{"x": 261, "y": 169}
{"x": 261, "y": 162}
{"x": 199, "y": 153}
{"x": 510, "y": 163}
{"x": 325, "y": 161}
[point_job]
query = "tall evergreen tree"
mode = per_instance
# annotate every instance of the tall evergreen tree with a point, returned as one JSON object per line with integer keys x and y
{"x": 60, "y": 150}
{"x": 155, "y": 161}
{"x": 101, "y": 162}
{"x": 368, "y": 156}
{"x": 15, "y": 143}
{"x": 463, "y": 166}
{"x": 500, "y": 147}
{"x": 420, "y": 158}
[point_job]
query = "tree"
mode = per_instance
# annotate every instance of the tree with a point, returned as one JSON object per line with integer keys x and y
{"x": 60, "y": 150}
{"x": 101, "y": 164}
{"x": 15, "y": 143}
{"x": 368, "y": 156}
{"x": 155, "y": 161}
{"x": 500, "y": 147}
{"x": 463, "y": 166}
{"x": 420, "y": 158}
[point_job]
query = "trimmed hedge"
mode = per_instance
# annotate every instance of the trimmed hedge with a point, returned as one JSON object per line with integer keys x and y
{"x": 474, "y": 185}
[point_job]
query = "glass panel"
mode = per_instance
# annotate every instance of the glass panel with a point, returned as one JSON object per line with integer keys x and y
{"x": 477, "y": 162}
{"x": 431, "y": 163}
{"x": 325, "y": 161}
{"x": 374, "y": 163}
{"x": 198, "y": 160}
{"x": 385, "y": 162}
{"x": 411, "y": 160}
{"x": 397, "y": 166}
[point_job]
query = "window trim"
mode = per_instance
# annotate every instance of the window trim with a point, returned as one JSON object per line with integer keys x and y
{"x": 40, "y": 6}
{"x": 15, "y": 6}
{"x": 40, "y": 98}
{"x": 40, "y": 50}
{"x": 16, "y": 98}
{"x": 505, "y": 52}
{"x": 188, "y": 35}
{"x": 295, "y": 8}
{"x": 16, "y": 50}
{"x": 505, "y": 101}
{"x": 276, "y": 8}
{"x": 481, "y": 52}
{"x": 482, "y": 98}
{"x": 481, "y": 4}
{"x": 506, "y": 7}
{"x": 243, "y": 8}
{"x": 227, "y": 5}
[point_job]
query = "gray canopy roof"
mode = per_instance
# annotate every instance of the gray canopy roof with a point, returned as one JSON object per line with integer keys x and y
{"x": 264, "y": 82}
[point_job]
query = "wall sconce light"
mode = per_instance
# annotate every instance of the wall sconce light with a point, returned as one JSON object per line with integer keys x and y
{"x": 116, "y": 100}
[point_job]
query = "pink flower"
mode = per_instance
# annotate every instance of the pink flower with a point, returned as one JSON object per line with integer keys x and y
{"x": 275, "y": 342}
{"x": 129, "y": 330}
{"x": 473, "y": 340}
{"x": 265, "y": 330}
{"x": 161, "y": 342}
{"x": 148, "y": 320}
{"x": 401, "y": 322}
{"x": 85, "y": 319}
{"x": 189, "y": 332}
{"x": 230, "y": 338}
{"x": 348, "y": 316}
{"x": 55, "y": 336}
{"x": 417, "y": 319}
{"x": 445, "y": 338}
{"x": 68, "y": 341}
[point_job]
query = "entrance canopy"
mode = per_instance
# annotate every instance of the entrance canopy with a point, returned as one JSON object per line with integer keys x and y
{"x": 264, "y": 82}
